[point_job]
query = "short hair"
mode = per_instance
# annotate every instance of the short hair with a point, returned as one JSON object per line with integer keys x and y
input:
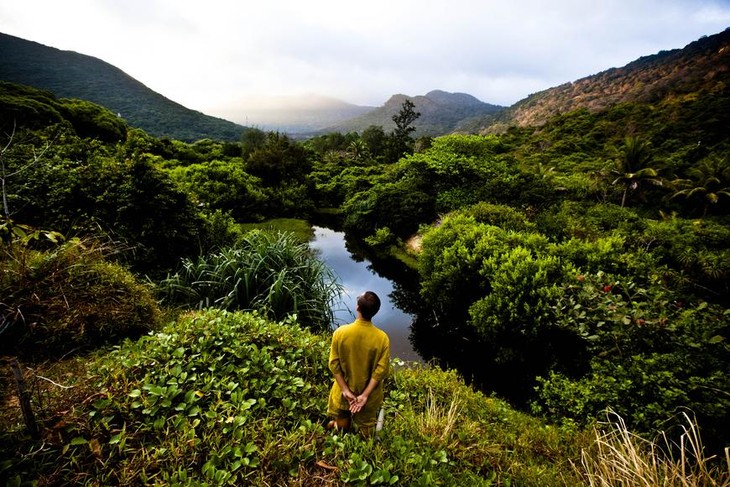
{"x": 368, "y": 304}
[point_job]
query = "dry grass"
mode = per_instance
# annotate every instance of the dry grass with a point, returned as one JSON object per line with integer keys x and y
{"x": 438, "y": 421}
{"x": 621, "y": 458}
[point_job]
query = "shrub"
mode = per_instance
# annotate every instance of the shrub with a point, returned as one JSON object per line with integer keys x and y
{"x": 69, "y": 297}
{"x": 502, "y": 216}
{"x": 650, "y": 355}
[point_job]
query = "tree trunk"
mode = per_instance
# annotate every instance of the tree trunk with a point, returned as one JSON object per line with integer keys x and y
{"x": 24, "y": 395}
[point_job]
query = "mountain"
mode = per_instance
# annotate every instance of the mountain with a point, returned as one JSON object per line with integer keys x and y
{"x": 441, "y": 113}
{"x": 291, "y": 114}
{"x": 701, "y": 67}
{"x": 68, "y": 74}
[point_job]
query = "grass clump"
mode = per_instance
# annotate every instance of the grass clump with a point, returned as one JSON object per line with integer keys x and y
{"x": 619, "y": 457}
{"x": 272, "y": 273}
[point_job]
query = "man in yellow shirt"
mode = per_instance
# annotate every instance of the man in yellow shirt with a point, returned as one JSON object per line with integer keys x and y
{"x": 359, "y": 360}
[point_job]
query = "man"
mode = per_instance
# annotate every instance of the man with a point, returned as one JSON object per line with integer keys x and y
{"x": 359, "y": 360}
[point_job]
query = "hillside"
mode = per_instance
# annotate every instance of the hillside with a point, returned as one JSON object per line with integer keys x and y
{"x": 703, "y": 66}
{"x": 72, "y": 75}
{"x": 441, "y": 113}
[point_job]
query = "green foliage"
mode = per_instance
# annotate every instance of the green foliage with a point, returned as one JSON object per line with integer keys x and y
{"x": 223, "y": 186}
{"x": 633, "y": 168}
{"x": 650, "y": 357}
{"x": 503, "y": 216}
{"x": 522, "y": 286}
{"x": 222, "y": 231}
{"x": 279, "y": 159}
{"x": 455, "y": 264}
{"x": 274, "y": 274}
{"x": 220, "y": 397}
{"x": 382, "y": 238}
{"x": 81, "y": 187}
{"x": 708, "y": 184}
{"x": 198, "y": 402}
{"x": 455, "y": 172}
{"x": 93, "y": 121}
{"x": 392, "y": 205}
{"x": 573, "y": 219}
{"x": 68, "y": 297}
{"x": 697, "y": 253}
{"x": 533, "y": 312}
{"x": 400, "y": 141}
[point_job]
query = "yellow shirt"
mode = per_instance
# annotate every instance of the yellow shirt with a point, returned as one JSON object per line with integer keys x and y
{"x": 360, "y": 352}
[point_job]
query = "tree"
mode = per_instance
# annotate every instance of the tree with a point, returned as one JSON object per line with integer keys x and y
{"x": 376, "y": 141}
{"x": 632, "y": 169}
{"x": 709, "y": 181}
{"x": 251, "y": 140}
{"x": 279, "y": 159}
{"x": 400, "y": 138}
{"x": 6, "y": 173}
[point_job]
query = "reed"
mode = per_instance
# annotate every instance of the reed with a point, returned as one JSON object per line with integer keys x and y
{"x": 273, "y": 273}
{"x": 619, "y": 457}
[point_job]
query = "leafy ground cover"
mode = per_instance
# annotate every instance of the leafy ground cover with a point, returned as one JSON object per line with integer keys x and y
{"x": 231, "y": 398}
{"x": 222, "y": 398}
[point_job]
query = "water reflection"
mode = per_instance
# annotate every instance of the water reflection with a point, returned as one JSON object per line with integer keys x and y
{"x": 357, "y": 275}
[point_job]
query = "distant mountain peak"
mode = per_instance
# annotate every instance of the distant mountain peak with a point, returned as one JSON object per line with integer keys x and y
{"x": 441, "y": 113}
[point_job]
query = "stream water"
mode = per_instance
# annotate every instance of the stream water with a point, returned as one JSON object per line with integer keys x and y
{"x": 356, "y": 274}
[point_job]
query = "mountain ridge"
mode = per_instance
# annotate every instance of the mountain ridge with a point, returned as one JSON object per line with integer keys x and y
{"x": 702, "y": 65}
{"x": 69, "y": 74}
{"x": 441, "y": 113}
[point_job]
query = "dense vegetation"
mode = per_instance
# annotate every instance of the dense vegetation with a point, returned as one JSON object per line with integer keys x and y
{"x": 569, "y": 268}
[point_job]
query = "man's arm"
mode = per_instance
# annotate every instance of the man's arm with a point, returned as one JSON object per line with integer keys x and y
{"x": 346, "y": 392}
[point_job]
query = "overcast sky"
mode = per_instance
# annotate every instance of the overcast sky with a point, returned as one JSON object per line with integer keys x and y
{"x": 208, "y": 54}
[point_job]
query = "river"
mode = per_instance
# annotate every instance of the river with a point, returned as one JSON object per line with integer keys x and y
{"x": 356, "y": 274}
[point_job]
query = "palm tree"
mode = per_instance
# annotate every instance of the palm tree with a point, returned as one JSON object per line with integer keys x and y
{"x": 709, "y": 181}
{"x": 358, "y": 149}
{"x": 632, "y": 168}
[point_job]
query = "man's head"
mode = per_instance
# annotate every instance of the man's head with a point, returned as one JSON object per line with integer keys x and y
{"x": 368, "y": 304}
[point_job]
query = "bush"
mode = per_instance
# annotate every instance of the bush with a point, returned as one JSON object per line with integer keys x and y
{"x": 651, "y": 354}
{"x": 502, "y": 216}
{"x": 69, "y": 297}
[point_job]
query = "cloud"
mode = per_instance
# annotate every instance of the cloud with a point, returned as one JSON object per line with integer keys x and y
{"x": 207, "y": 54}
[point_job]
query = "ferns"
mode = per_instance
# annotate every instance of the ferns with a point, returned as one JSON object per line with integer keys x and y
{"x": 272, "y": 273}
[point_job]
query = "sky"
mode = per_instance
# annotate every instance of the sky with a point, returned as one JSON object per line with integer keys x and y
{"x": 216, "y": 54}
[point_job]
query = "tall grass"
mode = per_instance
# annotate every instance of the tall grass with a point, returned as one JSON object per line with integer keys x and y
{"x": 620, "y": 458}
{"x": 273, "y": 273}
